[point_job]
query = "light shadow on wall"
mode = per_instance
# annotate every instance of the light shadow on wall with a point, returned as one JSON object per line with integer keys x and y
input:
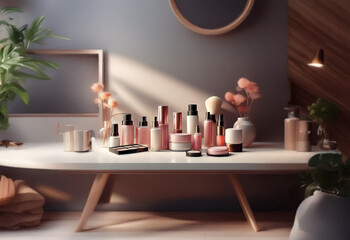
{"x": 140, "y": 89}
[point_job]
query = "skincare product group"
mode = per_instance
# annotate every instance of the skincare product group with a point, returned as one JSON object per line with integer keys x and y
{"x": 75, "y": 140}
{"x": 157, "y": 138}
{"x": 297, "y": 133}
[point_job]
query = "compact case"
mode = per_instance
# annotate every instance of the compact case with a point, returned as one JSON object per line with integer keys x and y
{"x": 180, "y": 141}
{"x": 131, "y": 148}
{"x": 218, "y": 151}
{"x": 193, "y": 153}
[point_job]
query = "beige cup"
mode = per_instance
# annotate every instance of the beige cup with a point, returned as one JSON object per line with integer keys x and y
{"x": 82, "y": 140}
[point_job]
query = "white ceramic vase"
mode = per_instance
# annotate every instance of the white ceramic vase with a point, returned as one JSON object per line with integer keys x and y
{"x": 248, "y": 130}
{"x": 322, "y": 216}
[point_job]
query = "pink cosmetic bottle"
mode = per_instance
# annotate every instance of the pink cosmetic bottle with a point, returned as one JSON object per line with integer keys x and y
{"x": 164, "y": 127}
{"x": 213, "y": 125}
{"x": 208, "y": 131}
{"x": 142, "y": 132}
{"x": 127, "y": 129}
{"x": 197, "y": 139}
{"x": 220, "y": 134}
{"x": 177, "y": 121}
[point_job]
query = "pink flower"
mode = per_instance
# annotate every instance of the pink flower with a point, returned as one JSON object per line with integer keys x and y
{"x": 238, "y": 99}
{"x": 252, "y": 87}
{"x": 112, "y": 103}
{"x": 243, "y": 83}
{"x": 229, "y": 96}
{"x": 96, "y": 87}
{"x": 104, "y": 95}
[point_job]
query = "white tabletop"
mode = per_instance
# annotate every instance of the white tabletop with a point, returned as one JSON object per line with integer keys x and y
{"x": 50, "y": 156}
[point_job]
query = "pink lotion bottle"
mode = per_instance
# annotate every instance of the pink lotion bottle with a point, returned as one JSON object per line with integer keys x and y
{"x": 127, "y": 130}
{"x": 142, "y": 132}
{"x": 213, "y": 125}
{"x": 208, "y": 131}
{"x": 164, "y": 127}
{"x": 197, "y": 139}
{"x": 220, "y": 133}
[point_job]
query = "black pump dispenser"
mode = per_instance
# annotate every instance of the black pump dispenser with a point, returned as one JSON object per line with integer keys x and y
{"x": 207, "y": 116}
{"x": 143, "y": 121}
{"x": 155, "y": 123}
{"x": 115, "y": 132}
{"x": 221, "y": 120}
{"x": 127, "y": 119}
{"x": 192, "y": 110}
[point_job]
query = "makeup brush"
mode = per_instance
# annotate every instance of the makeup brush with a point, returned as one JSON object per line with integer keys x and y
{"x": 213, "y": 104}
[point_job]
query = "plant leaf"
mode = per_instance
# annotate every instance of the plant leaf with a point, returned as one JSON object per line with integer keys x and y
{"x": 326, "y": 161}
{"x": 22, "y": 75}
{"x": 60, "y": 37}
{"x": 4, "y": 118}
{"x": 7, "y": 10}
{"x": 19, "y": 90}
{"x": 47, "y": 63}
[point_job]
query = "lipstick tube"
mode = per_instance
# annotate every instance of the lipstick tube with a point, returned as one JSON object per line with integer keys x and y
{"x": 177, "y": 121}
{"x": 164, "y": 127}
{"x": 208, "y": 131}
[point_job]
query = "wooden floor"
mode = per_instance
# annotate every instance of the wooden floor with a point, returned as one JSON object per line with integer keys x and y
{"x": 146, "y": 225}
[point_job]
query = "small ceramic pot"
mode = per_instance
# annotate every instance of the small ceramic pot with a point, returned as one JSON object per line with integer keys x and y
{"x": 322, "y": 216}
{"x": 248, "y": 130}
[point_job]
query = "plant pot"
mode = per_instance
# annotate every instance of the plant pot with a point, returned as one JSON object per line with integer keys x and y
{"x": 248, "y": 130}
{"x": 322, "y": 216}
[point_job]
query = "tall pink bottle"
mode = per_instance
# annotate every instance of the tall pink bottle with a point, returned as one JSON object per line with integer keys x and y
{"x": 220, "y": 133}
{"x": 213, "y": 134}
{"x": 163, "y": 118}
{"x": 197, "y": 139}
{"x": 208, "y": 131}
{"x": 127, "y": 130}
{"x": 142, "y": 132}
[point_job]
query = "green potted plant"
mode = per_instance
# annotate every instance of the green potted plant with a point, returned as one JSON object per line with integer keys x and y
{"x": 323, "y": 113}
{"x": 15, "y": 64}
{"x": 325, "y": 212}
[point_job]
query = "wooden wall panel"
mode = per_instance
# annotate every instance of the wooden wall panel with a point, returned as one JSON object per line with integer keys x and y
{"x": 314, "y": 24}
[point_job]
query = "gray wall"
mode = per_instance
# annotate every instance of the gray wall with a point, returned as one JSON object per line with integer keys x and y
{"x": 151, "y": 59}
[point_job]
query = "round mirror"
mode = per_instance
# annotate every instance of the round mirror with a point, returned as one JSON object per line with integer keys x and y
{"x": 211, "y": 17}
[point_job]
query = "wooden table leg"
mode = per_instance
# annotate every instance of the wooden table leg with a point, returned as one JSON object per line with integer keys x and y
{"x": 94, "y": 195}
{"x": 243, "y": 201}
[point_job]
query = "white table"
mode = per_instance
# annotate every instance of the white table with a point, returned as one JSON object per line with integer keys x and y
{"x": 260, "y": 158}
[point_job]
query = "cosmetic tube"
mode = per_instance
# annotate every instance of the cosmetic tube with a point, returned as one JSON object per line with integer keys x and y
{"x": 303, "y": 136}
{"x": 213, "y": 128}
{"x": 290, "y": 129}
{"x": 192, "y": 118}
{"x": 127, "y": 129}
{"x": 142, "y": 132}
{"x": 177, "y": 121}
{"x": 155, "y": 136}
{"x": 208, "y": 131}
{"x": 164, "y": 127}
{"x": 114, "y": 139}
{"x": 220, "y": 131}
{"x": 197, "y": 139}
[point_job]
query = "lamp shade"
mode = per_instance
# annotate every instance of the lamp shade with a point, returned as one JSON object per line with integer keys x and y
{"x": 318, "y": 59}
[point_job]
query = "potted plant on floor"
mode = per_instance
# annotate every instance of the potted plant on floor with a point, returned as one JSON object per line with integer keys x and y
{"x": 15, "y": 64}
{"x": 325, "y": 213}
